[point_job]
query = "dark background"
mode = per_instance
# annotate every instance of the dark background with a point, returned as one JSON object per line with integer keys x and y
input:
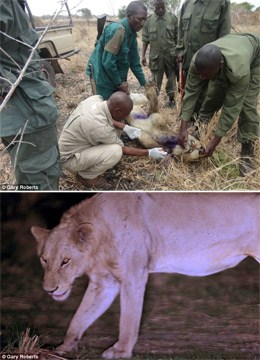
{"x": 191, "y": 317}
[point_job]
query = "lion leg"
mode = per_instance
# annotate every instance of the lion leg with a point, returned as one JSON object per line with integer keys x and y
{"x": 131, "y": 301}
{"x": 97, "y": 299}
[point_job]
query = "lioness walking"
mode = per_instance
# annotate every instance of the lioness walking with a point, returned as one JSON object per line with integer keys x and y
{"x": 117, "y": 239}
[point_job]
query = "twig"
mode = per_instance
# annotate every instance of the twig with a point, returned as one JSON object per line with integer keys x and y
{"x": 19, "y": 144}
{"x": 16, "y": 83}
{"x": 47, "y": 179}
{"x": 19, "y": 41}
{"x": 52, "y": 354}
{"x": 76, "y": 5}
{"x": 10, "y": 82}
{"x": 10, "y": 57}
{"x": 13, "y": 141}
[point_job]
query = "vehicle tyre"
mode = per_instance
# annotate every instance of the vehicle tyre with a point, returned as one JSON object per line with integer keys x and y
{"x": 49, "y": 72}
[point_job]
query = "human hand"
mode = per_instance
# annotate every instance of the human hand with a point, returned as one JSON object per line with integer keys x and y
{"x": 183, "y": 134}
{"x": 211, "y": 147}
{"x": 157, "y": 153}
{"x": 132, "y": 132}
{"x": 144, "y": 63}
{"x": 123, "y": 87}
{"x": 180, "y": 58}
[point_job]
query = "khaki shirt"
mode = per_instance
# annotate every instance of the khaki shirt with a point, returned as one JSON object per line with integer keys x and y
{"x": 89, "y": 125}
{"x": 201, "y": 22}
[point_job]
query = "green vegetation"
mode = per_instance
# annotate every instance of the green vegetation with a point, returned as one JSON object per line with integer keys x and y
{"x": 223, "y": 161}
{"x": 85, "y": 13}
{"x": 121, "y": 12}
{"x": 246, "y": 6}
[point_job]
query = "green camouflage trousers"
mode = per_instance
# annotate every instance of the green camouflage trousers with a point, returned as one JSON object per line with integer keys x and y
{"x": 159, "y": 67}
{"x": 36, "y": 159}
{"x": 248, "y": 122}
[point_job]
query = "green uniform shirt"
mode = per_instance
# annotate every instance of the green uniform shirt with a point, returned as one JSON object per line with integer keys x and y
{"x": 240, "y": 54}
{"x": 115, "y": 53}
{"x": 201, "y": 22}
{"x": 33, "y": 99}
{"x": 161, "y": 33}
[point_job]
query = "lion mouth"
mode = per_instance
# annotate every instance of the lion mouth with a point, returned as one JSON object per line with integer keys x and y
{"x": 61, "y": 297}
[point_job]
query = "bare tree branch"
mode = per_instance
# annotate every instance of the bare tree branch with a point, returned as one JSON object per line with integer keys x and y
{"x": 19, "y": 144}
{"x": 19, "y": 41}
{"x": 16, "y": 83}
{"x": 10, "y": 82}
{"x": 74, "y": 7}
{"x": 10, "y": 57}
{"x": 13, "y": 141}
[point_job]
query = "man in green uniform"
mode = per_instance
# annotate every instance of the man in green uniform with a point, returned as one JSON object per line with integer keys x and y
{"x": 36, "y": 156}
{"x": 160, "y": 31}
{"x": 231, "y": 64}
{"x": 117, "y": 51}
{"x": 201, "y": 22}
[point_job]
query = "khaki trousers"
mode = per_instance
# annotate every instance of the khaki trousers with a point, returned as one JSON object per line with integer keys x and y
{"x": 95, "y": 160}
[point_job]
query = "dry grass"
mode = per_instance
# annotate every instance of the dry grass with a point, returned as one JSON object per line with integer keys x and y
{"x": 220, "y": 172}
{"x": 29, "y": 345}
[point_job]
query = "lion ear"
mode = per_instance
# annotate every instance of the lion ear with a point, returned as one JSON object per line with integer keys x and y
{"x": 83, "y": 232}
{"x": 39, "y": 233}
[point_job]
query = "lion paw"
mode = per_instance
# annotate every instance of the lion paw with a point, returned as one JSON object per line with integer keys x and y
{"x": 66, "y": 348}
{"x": 113, "y": 353}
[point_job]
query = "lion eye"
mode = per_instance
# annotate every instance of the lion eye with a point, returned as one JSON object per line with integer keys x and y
{"x": 65, "y": 261}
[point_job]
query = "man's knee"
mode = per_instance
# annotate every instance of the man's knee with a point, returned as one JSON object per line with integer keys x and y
{"x": 42, "y": 170}
{"x": 116, "y": 152}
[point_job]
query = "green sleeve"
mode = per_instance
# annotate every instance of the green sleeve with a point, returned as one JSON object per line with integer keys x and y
{"x": 7, "y": 16}
{"x": 232, "y": 106}
{"x": 135, "y": 64}
{"x": 224, "y": 20}
{"x": 193, "y": 88}
{"x": 114, "y": 41}
{"x": 145, "y": 34}
{"x": 109, "y": 62}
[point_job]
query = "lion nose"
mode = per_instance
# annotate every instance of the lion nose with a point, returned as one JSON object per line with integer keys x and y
{"x": 51, "y": 291}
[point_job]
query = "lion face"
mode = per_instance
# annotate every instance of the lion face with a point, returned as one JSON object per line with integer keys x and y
{"x": 192, "y": 151}
{"x": 63, "y": 255}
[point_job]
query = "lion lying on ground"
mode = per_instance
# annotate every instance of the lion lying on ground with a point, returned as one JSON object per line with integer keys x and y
{"x": 117, "y": 239}
{"x": 155, "y": 129}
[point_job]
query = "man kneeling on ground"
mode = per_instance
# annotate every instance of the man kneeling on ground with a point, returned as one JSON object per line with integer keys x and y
{"x": 89, "y": 143}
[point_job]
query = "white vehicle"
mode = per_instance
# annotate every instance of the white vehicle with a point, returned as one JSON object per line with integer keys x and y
{"x": 57, "y": 43}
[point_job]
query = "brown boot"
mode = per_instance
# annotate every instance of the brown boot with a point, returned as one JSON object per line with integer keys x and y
{"x": 99, "y": 181}
{"x": 246, "y": 157}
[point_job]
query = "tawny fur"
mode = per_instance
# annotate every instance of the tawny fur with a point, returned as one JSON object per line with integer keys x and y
{"x": 117, "y": 239}
{"x": 155, "y": 126}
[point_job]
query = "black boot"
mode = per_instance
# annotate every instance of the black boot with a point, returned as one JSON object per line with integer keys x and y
{"x": 171, "y": 102}
{"x": 246, "y": 157}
